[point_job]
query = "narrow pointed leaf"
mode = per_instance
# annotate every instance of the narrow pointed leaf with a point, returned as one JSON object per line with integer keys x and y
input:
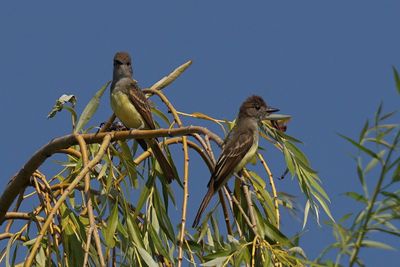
{"x": 376, "y": 244}
{"x": 396, "y": 79}
{"x": 90, "y": 109}
{"x": 361, "y": 147}
{"x": 147, "y": 257}
{"x": 111, "y": 226}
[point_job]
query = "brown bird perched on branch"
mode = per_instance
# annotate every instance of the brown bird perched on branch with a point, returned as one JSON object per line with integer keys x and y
{"x": 239, "y": 147}
{"x": 131, "y": 106}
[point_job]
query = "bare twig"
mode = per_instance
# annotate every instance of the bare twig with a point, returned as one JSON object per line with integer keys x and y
{"x": 22, "y": 216}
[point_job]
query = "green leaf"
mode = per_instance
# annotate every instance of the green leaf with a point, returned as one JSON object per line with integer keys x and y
{"x": 272, "y": 232}
{"x": 289, "y": 161}
{"x": 289, "y": 138}
{"x": 361, "y": 147}
{"x": 111, "y": 227}
{"x": 376, "y": 244}
{"x": 215, "y": 262}
{"x": 357, "y": 197}
{"x": 163, "y": 217}
{"x": 298, "y": 250}
{"x": 134, "y": 230}
{"x": 257, "y": 179}
{"x": 314, "y": 183}
{"x": 156, "y": 239}
{"x": 161, "y": 115}
{"x": 396, "y": 79}
{"x": 128, "y": 161}
{"x": 166, "y": 80}
{"x": 345, "y": 217}
{"x": 90, "y": 109}
{"x": 324, "y": 206}
{"x": 374, "y": 161}
{"x": 147, "y": 257}
{"x": 363, "y": 131}
{"x": 297, "y": 153}
{"x": 40, "y": 257}
{"x": 145, "y": 192}
{"x": 361, "y": 176}
{"x": 306, "y": 212}
{"x": 396, "y": 174}
{"x": 388, "y": 115}
{"x": 378, "y": 113}
{"x": 59, "y": 105}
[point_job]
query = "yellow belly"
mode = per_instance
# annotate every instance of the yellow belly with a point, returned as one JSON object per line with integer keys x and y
{"x": 126, "y": 111}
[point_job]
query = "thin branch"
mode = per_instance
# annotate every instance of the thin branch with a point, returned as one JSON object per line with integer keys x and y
{"x": 10, "y": 235}
{"x": 22, "y": 216}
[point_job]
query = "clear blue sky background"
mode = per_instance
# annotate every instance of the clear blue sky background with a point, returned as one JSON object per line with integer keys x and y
{"x": 327, "y": 63}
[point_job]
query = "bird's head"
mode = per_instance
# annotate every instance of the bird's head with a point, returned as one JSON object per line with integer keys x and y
{"x": 255, "y": 107}
{"x": 122, "y": 65}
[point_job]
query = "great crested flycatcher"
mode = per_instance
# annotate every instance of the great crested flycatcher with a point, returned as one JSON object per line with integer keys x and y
{"x": 130, "y": 105}
{"x": 239, "y": 147}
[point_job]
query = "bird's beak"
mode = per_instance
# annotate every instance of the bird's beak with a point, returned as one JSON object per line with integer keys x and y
{"x": 272, "y": 110}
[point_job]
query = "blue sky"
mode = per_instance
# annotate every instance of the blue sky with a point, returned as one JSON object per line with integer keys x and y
{"x": 327, "y": 63}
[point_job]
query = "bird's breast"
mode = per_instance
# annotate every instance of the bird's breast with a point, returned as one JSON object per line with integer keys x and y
{"x": 125, "y": 110}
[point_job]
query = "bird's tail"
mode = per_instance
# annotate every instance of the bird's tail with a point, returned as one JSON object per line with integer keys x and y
{"x": 203, "y": 205}
{"x": 166, "y": 167}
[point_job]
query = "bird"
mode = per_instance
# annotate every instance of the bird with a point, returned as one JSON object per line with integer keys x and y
{"x": 131, "y": 106}
{"x": 239, "y": 147}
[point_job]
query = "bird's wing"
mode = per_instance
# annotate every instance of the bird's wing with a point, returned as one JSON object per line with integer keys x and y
{"x": 234, "y": 151}
{"x": 141, "y": 104}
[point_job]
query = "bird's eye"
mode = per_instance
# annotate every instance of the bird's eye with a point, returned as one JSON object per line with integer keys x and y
{"x": 117, "y": 63}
